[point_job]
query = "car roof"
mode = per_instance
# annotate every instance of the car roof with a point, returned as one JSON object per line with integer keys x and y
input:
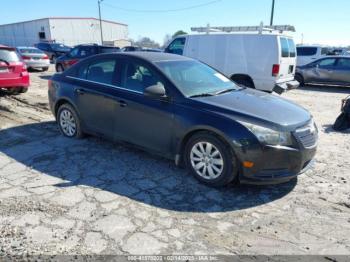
{"x": 27, "y": 47}
{"x": 155, "y": 56}
{"x": 4, "y": 47}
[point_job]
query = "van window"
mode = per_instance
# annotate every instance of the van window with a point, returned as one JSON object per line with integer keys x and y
{"x": 284, "y": 47}
{"x": 306, "y": 51}
{"x": 292, "y": 50}
{"x": 177, "y": 46}
{"x": 287, "y": 47}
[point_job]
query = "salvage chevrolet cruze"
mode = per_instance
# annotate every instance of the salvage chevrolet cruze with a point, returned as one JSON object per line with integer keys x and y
{"x": 186, "y": 111}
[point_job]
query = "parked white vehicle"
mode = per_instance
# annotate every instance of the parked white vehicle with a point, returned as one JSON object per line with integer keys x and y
{"x": 309, "y": 53}
{"x": 261, "y": 60}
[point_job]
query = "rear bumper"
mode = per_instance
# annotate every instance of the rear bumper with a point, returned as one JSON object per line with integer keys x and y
{"x": 40, "y": 64}
{"x": 274, "y": 165}
{"x": 282, "y": 87}
{"x": 15, "y": 82}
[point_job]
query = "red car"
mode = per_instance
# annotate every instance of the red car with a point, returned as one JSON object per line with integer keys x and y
{"x": 14, "y": 77}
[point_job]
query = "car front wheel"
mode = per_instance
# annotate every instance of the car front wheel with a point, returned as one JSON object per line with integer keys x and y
{"x": 210, "y": 160}
{"x": 69, "y": 122}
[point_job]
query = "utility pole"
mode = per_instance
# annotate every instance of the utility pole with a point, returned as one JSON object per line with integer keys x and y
{"x": 99, "y": 12}
{"x": 272, "y": 12}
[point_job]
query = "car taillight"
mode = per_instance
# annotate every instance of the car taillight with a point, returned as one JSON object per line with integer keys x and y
{"x": 24, "y": 57}
{"x": 275, "y": 70}
{"x": 45, "y": 57}
{"x": 72, "y": 62}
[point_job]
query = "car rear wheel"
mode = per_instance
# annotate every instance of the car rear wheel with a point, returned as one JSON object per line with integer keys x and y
{"x": 69, "y": 122}
{"x": 210, "y": 160}
{"x": 53, "y": 59}
{"x": 59, "y": 68}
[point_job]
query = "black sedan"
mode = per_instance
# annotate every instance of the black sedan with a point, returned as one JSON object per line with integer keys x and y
{"x": 186, "y": 111}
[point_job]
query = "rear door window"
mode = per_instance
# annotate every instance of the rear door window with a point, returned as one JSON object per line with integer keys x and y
{"x": 306, "y": 51}
{"x": 86, "y": 51}
{"x": 101, "y": 71}
{"x": 343, "y": 63}
{"x": 177, "y": 46}
{"x": 292, "y": 50}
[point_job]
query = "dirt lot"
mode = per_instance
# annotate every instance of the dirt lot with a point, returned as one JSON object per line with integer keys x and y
{"x": 61, "y": 196}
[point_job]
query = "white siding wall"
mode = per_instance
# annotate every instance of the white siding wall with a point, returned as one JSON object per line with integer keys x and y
{"x": 68, "y": 31}
{"x": 23, "y": 34}
{"x": 79, "y": 31}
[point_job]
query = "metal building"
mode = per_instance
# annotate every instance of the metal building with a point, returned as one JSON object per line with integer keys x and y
{"x": 67, "y": 30}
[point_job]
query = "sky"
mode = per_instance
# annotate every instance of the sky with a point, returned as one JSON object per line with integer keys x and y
{"x": 316, "y": 21}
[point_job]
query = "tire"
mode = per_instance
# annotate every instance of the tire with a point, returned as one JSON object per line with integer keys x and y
{"x": 244, "y": 82}
{"x": 59, "y": 68}
{"x": 23, "y": 90}
{"x": 45, "y": 69}
{"x": 300, "y": 79}
{"x": 69, "y": 122}
{"x": 220, "y": 153}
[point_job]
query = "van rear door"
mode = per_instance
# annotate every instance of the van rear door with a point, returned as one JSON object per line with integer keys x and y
{"x": 287, "y": 63}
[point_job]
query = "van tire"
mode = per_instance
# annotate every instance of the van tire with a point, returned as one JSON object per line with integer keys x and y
{"x": 300, "y": 79}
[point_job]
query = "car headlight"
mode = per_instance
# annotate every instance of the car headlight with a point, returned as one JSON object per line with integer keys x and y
{"x": 268, "y": 136}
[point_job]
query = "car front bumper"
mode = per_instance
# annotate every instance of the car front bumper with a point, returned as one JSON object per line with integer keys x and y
{"x": 276, "y": 164}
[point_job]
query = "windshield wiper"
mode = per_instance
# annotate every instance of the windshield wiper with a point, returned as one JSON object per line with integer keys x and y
{"x": 2, "y": 60}
{"x": 225, "y": 91}
{"x": 202, "y": 95}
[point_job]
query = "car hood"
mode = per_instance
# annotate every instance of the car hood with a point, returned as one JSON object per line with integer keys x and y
{"x": 257, "y": 107}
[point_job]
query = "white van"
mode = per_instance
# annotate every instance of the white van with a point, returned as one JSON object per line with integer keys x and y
{"x": 307, "y": 54}
{"x": 265, "y": 61}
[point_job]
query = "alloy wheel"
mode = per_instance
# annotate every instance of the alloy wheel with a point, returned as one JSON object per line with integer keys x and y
{"x": 68, "y": 123}
{"x": 206, "y": 160}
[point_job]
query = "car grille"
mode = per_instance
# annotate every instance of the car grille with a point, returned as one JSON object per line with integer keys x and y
{"x": 307, "y": 135}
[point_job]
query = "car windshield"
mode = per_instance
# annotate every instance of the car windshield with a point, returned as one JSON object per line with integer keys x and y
{"x": 8, "y": 55}
{"x": 193, "y": 78}
{"x": 30, "y": 51}
{"x": 60, "y": 47}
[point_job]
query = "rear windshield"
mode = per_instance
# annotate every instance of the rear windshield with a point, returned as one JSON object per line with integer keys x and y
{"x": 306, "y": 51}
{"x": 30, "y": 51}
{"x": 60, "y": 47}
{"x": 8, "y": 55}
{"x": 287, "y": 47}
{"x": 109, "y": 49}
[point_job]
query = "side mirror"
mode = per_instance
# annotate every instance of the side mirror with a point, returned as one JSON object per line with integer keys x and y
{"x": 155, "y": 91}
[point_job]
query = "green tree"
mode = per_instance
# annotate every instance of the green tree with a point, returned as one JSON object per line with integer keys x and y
{"x": 180, "y": 32}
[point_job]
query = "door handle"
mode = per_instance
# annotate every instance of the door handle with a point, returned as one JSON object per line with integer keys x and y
{"x": 80, "y": 91}
{"x": 122, "y": 103}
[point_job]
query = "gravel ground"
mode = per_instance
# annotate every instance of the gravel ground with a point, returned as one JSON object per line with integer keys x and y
{"x": 62, "y": 196}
